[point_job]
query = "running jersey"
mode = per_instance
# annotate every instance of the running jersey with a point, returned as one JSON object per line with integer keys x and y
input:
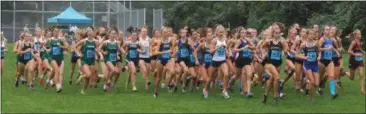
{"x": 298, "y": 47}
{"x": 2, "y": 49}
{"x": 275, "y": 51}
{"x": 165, "y": 46}
{"x": 199, "y": 55}
{"x": 246, "y": 53}
{"x": 290, "y": 54}
{"x": 112, "y": 49}
{"x": 334, "y": 54}
{"x": 145, "y": 43}
{"x": 357, "y": 50}
{"x": 28, "y": 55}
{"x": 56, "y": 51}
{"x": 255, "y": 41}
{"x": 184, "y": 50}
{"x": 37, "y": 44}
{"x": 132, "y": 50}
{"x": 88, "y": 51}
{"x": 327, "y": 54}
{"x": 311, "y": 51}
{"x": 207, "y": 56}
{"x": 220, "y": 53}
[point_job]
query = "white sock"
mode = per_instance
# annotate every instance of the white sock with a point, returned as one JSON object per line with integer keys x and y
{"x": 58, "y": 86}
{"x": 21, "y": 78}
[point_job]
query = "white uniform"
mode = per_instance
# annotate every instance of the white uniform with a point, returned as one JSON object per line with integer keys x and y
{"x": 145, "y": 43}
{"x": 220, "y": 54}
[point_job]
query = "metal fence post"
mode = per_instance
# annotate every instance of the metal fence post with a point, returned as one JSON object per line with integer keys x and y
{"x": 14, "y": 21}
{"x": 42, "y": 14}
{"x": 93, "y": 14}
{"x": 154, "y": 18}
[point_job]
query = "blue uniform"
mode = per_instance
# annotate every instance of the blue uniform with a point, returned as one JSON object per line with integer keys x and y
{"x": 326, "y": 55}
{"x": 311, "y": 63}
{"x": 132, "y": 54}
{"x": 275, "y": 54}
{"x": 245, "y": 56}
{"x": 165, "y": 57}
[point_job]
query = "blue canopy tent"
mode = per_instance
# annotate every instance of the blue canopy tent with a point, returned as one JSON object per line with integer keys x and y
{"x": 70, "y": 16}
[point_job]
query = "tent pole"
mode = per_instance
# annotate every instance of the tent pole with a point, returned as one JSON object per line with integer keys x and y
{"x": 109, "y": 14}
{"x": 14, "y": 21}
{"x": 42, "y": 14}
{"x": 118, "y": 14}
{"x": 93, "y": 14}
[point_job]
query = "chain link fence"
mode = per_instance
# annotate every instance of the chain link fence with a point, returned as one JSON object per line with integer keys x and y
{"x": 16, "y": 14}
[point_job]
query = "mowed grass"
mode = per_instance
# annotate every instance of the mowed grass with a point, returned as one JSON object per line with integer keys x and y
{"x": 18, "y": 100}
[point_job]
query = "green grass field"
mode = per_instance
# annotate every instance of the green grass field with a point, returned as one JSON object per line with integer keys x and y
{"x": 21, "y": 100}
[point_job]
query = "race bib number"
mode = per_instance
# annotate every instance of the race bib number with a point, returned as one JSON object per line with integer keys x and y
{"x": 133, "y": 54}
{"x": 220, "y": 52}
{"x": 191, "y": 57}
{"x": 36, "y": 47}
{"x": 328, "y": 55}
{"x": 358, "y": 58}
{"x": 275, "y": 55}
{"x": 165, "y": 55}
{"x": 27, "y": 56}
{"x": 113, "y": 57}
{"x": 146, "y": 51}
{"x": 2, "y": 53}
{"x": 292, "y": 55}
{"x": 90, "y": 54}
{"x": 56, "y": 50}
{"x": 246, "y": 53}
{"x": 208, "y": 58}
{"x": 312, "y": 56}
{"x": 184, "y": 52}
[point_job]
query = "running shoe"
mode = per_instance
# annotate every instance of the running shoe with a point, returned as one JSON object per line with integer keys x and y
{"x": 249, "y": 95}
{"x": 155, "y": 94}
{"x": 16, "y": 83}
{"x": 225, "y": 94}
{"x": 264, "y": 101}
{"x": 334, "y": 96}
{"x": 134, "y": 89}
{"x": 205, "y": 93}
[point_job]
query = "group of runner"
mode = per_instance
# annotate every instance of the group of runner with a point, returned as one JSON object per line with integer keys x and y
{"x": 203, "y": 57}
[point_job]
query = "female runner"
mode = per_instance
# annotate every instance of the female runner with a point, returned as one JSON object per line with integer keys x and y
{"x": 204, "y": 48}
{"x": 164, "y": 49}
{"x": 57, "y": 46}
{"x": 45, "y": 56}
{"x": 37, "y": 47}
{"x": 19, "y": 74}
{"x": 110, "y": 52}
{"x": 74, "y": 58}
{"x": 132, "y": 48}
{"x": 244, "y": 46}
{"x": 310, "y": 61}
{"x": 276, "y": 48}
{"x": 326, "y": 49}
{"x": 218, "y": 47}
{"x": 3, "y": 50}
{"x": 144, "y": 62}
{"x": 356, "y": 58}
{"x": 299, "y": 62}
{"x": 183, "y": 57}
{"x": 26, "y": 61}
{"x": 86, "y": 49}
{"x": 290, "y": 67}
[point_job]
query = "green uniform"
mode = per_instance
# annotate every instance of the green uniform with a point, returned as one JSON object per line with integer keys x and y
{"x": 43, "y": 54}
{"x": 111, "y": 49}
{"x": 88, "y": 51}
{"x": 56, "y": 52}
